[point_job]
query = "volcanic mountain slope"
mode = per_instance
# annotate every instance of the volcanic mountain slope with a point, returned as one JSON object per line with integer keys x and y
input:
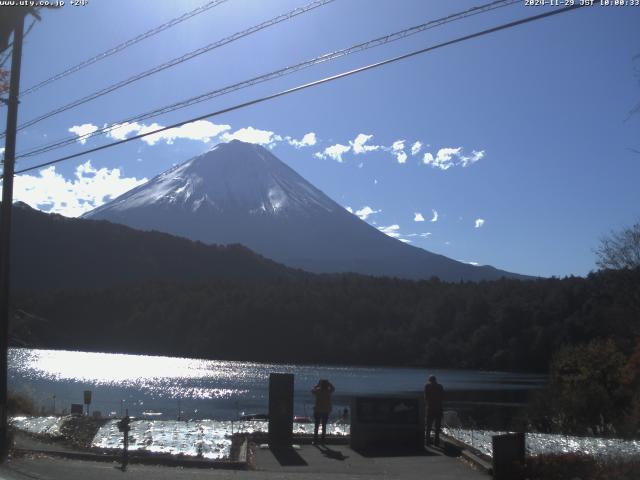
{"x": 51, "y": 252}
{"x": 241, "y": 193}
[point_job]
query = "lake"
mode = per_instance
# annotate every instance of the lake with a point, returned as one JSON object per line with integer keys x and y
{"x": 164, "y": 387}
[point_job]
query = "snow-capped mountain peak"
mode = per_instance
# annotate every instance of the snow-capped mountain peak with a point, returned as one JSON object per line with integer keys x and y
{"x": 232, "y": 177}
{"x": 241, "y": 193}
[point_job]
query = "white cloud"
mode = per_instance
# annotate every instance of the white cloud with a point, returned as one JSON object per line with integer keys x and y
{"x": 391, "y": 230}
{"x": 334, "y": 151}
{"x": 479, "y": 222}
{"x": 253, "y": 135}
{"x": 50, "y": 191}
{"x": 200, "y": 130}
{"x": 427, "y": 158}
{"x": 364, "y": 212}
{"x": 434, "y": 218}
{"x": 423, "y": 235}
{"x": 397, "y": 145}
{"x": 122, "y": 130}
{"x": 397, "y": 149}
{"x": 418, "y": 217}
{"x": 349, "y": 209}
{"x": 416, "y": 147}
{"x": 451, "y": 157}
{"x": 308, "y": 140}
{"x": 473, "y": 158}
{"x": 445, "y": 158}
{"x": 475, "y": 264}
{"x": 359, "y": 144}
{"x": 82, "y": 130}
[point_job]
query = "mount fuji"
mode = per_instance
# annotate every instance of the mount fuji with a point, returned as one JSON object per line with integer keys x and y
{"x": 241, "y": 193}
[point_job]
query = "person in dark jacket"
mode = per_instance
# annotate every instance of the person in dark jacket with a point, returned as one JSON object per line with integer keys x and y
{"x": 322, "y": 391}
{"x": 433, "y": 396}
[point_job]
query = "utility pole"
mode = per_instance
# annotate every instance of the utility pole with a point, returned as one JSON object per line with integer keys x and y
{"x": 5, "y": 224}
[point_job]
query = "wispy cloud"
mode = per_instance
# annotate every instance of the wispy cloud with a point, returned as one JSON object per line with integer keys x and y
{"x": 417, "y": 217}
{"x": 308, "y": 140}
{"x": 444, "y": 159}
{"x": 48, "y": 190}
{"x": 334, "y": 151}
{"x": 200, "y": 130}
{"x": 359, "y": 144}
{"x": 253, "y": 135}
{"x": 391, "y": 230}
{"x": 122, "y": 130}
{"x": 434, "y": 218}
{"x": 365, "y": 212}
{"x": 397, "y": 149}
{"x": 451, "y": 157}
{"x": 479, "y": 222}
{"x": 473, "y": 158}
{"x": 82, "y": 130}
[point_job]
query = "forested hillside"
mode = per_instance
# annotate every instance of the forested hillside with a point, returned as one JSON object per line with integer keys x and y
{"x": 505, "y": 324}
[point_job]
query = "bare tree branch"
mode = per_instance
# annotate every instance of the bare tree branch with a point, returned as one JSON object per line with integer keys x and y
{"x": 620, "y": 249}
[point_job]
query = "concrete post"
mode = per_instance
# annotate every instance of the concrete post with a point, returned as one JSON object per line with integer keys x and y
{"x": 280, "y": 409}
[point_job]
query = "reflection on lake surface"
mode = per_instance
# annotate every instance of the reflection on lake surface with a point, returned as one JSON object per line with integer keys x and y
{"x": 543, "y": 443}
{"x": 212, "y": 438}
{"x": 164, "y": 387}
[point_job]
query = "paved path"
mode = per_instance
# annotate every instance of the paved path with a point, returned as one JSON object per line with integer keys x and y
{"x": 307, "y": 463}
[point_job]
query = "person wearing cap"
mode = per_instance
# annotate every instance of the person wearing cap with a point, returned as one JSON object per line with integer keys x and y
{"x": 433, "y": 396}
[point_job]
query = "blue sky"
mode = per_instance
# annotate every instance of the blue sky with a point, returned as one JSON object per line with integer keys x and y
{"x": 526, "y": 144}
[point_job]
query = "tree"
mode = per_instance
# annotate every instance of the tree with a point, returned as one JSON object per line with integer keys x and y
{"x": 588, "y": 387}
{"x": 620, "y": 249}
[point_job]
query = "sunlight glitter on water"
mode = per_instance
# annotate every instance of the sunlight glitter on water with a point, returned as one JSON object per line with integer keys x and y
{"x": 541, "y": 443}
{"x": 49, "y": 426}
{"x": 223, "y": 390}
{"x": 107, "y": 368}
{"x": 163, "y": 375}
{"x": 203, "y": 438}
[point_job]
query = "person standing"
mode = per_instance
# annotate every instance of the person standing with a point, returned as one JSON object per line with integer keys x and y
{"x": 322, "y": 408}
{"x": 433, "y": 396}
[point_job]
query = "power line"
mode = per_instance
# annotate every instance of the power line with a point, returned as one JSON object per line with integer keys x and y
{"x": 123, "y": 45}
{"x": 275, "y": 74}
{"x": 312, "y": 84}
{"x": 178, "y": 60}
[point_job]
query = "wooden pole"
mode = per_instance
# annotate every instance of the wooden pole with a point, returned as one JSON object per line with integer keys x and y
{"x": 5, "y": 226}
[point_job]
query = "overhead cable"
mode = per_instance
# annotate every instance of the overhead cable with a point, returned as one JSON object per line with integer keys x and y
{"x": 123, "y": 45}
{"x": 176, "y": 61}
{"x": 312, "y": 84}
{"x": 274, "y": 74}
